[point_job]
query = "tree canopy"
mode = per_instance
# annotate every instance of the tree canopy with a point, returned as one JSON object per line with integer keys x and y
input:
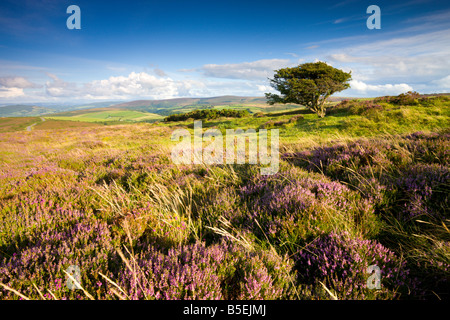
{"x": 309, "y": 84}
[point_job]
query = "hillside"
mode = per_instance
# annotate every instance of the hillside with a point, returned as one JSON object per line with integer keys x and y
{"x": 39, "y": 109}
{"x": 156, "y": 110}
{"x": 181, "y": 102}
{"x": 365, "y": 186}
{"x": 24, "y": 111}
{"x": 182, "y": 105}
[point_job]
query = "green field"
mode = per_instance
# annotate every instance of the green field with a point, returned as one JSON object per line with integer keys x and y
{"x": 109, "y": 115}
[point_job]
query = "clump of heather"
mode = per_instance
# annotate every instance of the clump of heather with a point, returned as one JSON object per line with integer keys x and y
{"x": 197, "y": 271}
{"x": 403, "y": 99}
{"x": 433, "y": 266}
{"x": 265, "y": 275}
{"x": 437, "y": 260}
{"x": 340, "y": 262}
{"x": 294, "y": 207}
{"x": 335, "y": 161}
{"x": 86, "y": 243}
{"x": 409, "y": 175}
{"x": 224, "y": 203}
{"x": 424, "y": 190}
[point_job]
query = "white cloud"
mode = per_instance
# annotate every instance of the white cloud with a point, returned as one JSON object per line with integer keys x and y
{"x": 264, "y": 89}
{"x": 256, "y": 70}
{"x": 383, "y": 89}
{"x": 135, "y": 84}
{"x": 443, "y": 83}
{"x": 417, "y": 60}
{"x": 9, "y": 93}
{"x": 13, "y": 86}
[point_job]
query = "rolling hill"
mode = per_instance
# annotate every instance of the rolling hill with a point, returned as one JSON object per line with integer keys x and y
{"x": 24, "y": 111}
{"x": 164, "y": 107}
{"x": 181, "y": 102}
{"x": 39, "y": 109}
{"x": 179, "y": 105}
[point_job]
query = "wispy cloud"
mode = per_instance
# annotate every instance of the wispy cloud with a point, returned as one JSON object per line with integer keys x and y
{"x": 159, "y": 72}
{"x": 419, "y": 56}
{"x": 437, "y": 16}
{"x": 255, "y": 70}
{"x": 342, "y": 4}
{"x": 17, "y": 82}
{"x": 443, "y": 83}
{"x": 114, "y": 68}
{"x": 337, "y": 21}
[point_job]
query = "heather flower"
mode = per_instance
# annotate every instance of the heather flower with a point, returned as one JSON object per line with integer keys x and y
{"x": 219, "y": 271}
{"x": 341, "y": 263}
{"x": 294, "y": 205}
{"x": 43, "y": 260}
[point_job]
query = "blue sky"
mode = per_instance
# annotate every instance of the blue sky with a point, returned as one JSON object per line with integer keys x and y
{"x": 127, "y": 50}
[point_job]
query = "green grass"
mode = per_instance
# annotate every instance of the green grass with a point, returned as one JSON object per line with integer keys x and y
{"x": 310, "y": 130}
{"x": 50, "y": 124}
{"x": 16, "y": 123}
{"x": 107, "y": 116}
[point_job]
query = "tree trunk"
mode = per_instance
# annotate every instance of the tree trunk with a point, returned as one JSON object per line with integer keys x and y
{"x": 321, "y": 108}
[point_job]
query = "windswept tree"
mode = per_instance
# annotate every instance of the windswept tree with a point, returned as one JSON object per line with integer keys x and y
{"x": 309, "y": 84}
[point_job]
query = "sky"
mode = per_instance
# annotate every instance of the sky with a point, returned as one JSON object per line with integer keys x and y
{"x": 132, "y": 50}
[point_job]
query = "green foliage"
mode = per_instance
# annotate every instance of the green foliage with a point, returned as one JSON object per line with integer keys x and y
{"x": 208, "y": 114}
{"x": 309, "y": 84}
{"x": 404, "y": 99}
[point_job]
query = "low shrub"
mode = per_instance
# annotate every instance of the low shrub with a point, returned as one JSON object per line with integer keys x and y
{"x": 340, "y": 262}
{"x": 196, "y": 271}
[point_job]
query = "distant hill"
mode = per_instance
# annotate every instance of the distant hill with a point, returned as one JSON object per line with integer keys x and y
{"x": 163, "y": 108}
{"x": 39, "y": 109}
{"x": 170, "y": 106}
{"x": 20, "y": 110}
{"x": 181, "y": 102}
{"x": 104, "y": 104}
